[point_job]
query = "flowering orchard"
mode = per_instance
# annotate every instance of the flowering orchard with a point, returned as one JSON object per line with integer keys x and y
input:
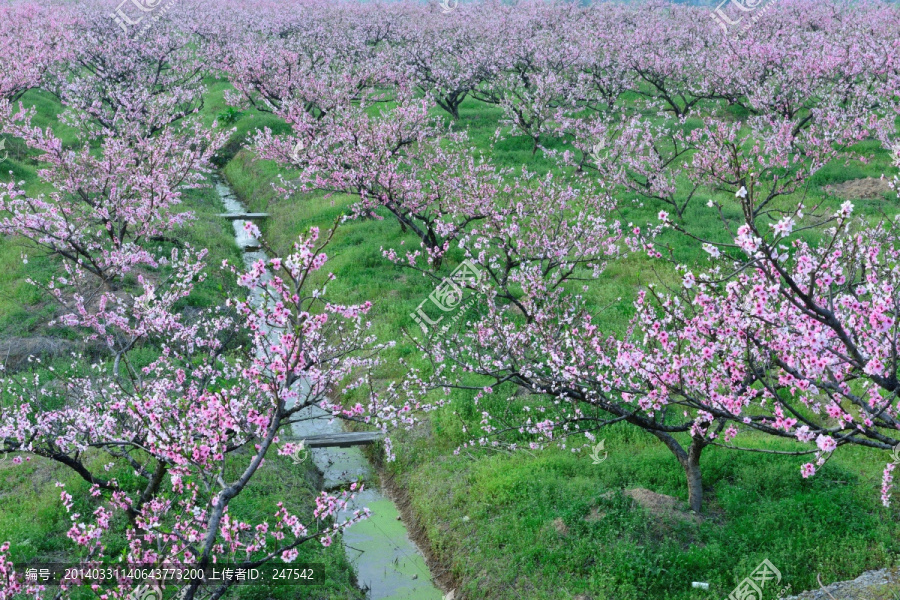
{"x": 786, "y": 328}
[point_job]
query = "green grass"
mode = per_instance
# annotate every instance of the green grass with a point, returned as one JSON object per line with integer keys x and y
{"x": 539, "y": 526}
{"x": 757, "y": 505}
{"x": 511, "y": 545}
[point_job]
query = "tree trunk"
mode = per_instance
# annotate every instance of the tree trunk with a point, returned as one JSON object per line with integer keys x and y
{"x": 454, "y": 111}
{"x": 690, "y": 462}
{"x": 691, "y": 465}
{"x": 451, "y": 105}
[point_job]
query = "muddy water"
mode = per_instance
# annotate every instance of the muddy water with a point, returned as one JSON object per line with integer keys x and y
{"x": 388, "y": 564}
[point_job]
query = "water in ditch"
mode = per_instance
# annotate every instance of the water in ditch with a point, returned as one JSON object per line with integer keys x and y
{"x": 387, "y": 562}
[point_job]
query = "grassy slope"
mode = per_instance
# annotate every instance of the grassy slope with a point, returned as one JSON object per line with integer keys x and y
{"x": 513, "y": 544}
{"x": 31, "y": 515}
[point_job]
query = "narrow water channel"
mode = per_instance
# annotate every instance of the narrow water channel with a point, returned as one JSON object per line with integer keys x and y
{"x": 387, "y": 562}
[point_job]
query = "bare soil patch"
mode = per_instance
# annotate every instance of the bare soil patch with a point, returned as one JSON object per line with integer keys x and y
{"x": 14, "y": 352}
{"x": 661, "y": 505}
{"x": 860, "y": 189}
{"x": 560, "y": 526}
{"x": 595, "y": 515}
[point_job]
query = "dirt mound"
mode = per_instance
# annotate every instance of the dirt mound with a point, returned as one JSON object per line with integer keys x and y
{"x": 660, "y": 505}
{"x": 860, "y": 189}
{"x": 595, "y": 515}
{"x": 14, "y": 352}
{"x": 560, "y": 526}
